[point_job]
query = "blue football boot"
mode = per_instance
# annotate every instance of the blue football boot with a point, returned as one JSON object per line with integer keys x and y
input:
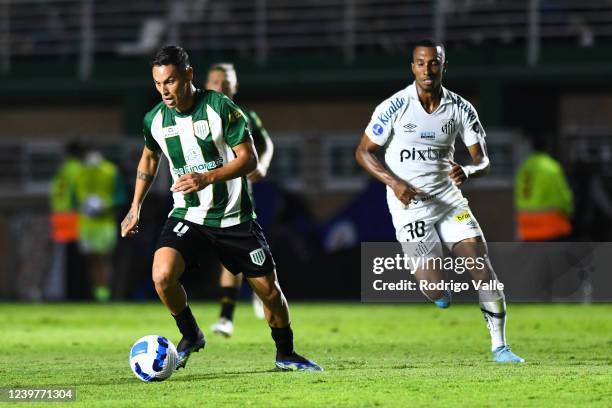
{"x": 186, "y": 347}
{"x": 295, "y": 362}
{"x": 503, "y": 354}
{"x": 445, "y": 301}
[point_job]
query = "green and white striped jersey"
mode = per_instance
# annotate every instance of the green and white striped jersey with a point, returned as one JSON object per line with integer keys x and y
{"x": 201, "y": 140}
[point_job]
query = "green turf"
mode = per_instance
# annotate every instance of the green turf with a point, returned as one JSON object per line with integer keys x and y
{"x": 374, "y": 355}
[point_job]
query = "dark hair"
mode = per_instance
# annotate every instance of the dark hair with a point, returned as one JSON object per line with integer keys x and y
{"x": 171, "y": 55}
{"x": 429, "y": 43}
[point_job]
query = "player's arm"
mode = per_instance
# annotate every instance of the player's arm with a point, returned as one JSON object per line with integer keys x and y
{"x": 147, "y": 169}
{"x": 244, "y": 163}
{"x": 265, "y": 152}
{"x": 479, "y": 167}
{"x": 366, "y": 157}
{"x": 264, "y": 159}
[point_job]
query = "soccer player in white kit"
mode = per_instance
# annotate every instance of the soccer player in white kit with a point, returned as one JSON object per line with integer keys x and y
{"x": 416, "y": 128}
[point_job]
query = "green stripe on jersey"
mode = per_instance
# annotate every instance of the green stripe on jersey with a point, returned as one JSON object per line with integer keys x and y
{"x": 179, "y": 213}
{"x": 175, "y": 151}
{"x": 220, "y": 196}
{"x": 185, "y": 140}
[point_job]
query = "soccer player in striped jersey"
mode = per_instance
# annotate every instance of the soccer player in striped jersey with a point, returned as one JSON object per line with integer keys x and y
{"x": 416, "y": 128}
{"x": 222, "y": 77}
{"x": 206, "y": 139}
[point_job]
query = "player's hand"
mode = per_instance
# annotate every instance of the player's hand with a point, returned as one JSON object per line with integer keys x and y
{"x": 257, "y": 174}
{"x": 404, "y": 191}
{"x": 190, "y": 183}
{"x": 129, "y": 225}
{"x": 457, "y": 174}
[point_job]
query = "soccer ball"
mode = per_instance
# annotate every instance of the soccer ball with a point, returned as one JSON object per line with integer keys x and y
{"x": 153, "y": 358}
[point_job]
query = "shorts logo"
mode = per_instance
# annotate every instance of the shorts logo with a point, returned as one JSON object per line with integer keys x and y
{"x": 201, "y": 129}
{"x": 258, "y": 256}
{"x": 463, "y": 216}
{"x": 180, "y": 229}
{"x": 410, "y": 127}
{"x": 377, "y": 129}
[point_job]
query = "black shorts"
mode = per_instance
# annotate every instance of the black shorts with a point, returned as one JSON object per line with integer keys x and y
{"x": 241, "y": 248}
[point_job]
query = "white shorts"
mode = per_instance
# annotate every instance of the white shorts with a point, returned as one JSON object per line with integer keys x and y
{"x": 432, "y": 221}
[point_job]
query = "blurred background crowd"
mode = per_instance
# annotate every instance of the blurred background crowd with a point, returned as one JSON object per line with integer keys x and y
{"x": 76, "y": 84}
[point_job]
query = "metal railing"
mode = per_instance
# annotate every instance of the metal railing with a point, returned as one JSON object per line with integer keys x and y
{"x": 260, "y": 29}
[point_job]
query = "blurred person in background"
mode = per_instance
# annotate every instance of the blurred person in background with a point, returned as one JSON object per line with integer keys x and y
{"x": 417, "y": 128}
{"x": 543, "y": 199}
{"x": 99, "y": 191}
{"x": 64, "y": 222}
{"x": 544, "y": 205}
{"x": 222, "y": 78}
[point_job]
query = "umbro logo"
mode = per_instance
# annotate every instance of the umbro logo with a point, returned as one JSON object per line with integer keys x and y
{"x": 410, "y": 127}
{"x": 180, "y": 229}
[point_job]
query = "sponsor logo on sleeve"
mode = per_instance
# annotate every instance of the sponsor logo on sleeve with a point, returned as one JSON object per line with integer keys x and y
{"x": 464, "y": 106}
{"x": 394, "y": 106}
{"x": 235, "y": 115}
{"x": 463, "y": 216}
{"x": 377, "y": 129}
{"x": 477, "y": 128}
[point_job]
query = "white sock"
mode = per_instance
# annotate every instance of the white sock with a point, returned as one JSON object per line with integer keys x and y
{"x": 494, "y": 313}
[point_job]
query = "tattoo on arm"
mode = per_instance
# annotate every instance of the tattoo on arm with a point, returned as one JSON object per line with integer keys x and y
{"x": 144, "y": 176}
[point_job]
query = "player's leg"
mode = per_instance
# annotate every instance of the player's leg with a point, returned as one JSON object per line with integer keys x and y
{"x": 230, "y": 287}
{"x": 244, "y": 248}
{"x": 258, "y": 307}
{"x": 168, "y": 266}
{"x": 276, "y": 311}
{"x": 427, "y": 277}
{"x": 176, "y": 249}
{"x": 419, "y": 238}
{"x": 459, "y": 226}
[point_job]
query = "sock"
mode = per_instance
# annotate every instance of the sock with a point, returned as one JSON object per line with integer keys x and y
{"x": 228, "y": 302}
{"x": 186, "y": 324}
{"x": 283, "y": 337}
{"x": 494, "y": 312}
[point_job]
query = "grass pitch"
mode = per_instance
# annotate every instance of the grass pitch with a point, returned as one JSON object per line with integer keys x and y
{"x": 374, "y": 355}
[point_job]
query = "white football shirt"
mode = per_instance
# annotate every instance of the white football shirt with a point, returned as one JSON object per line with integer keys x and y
{"x": 418, "y": 145}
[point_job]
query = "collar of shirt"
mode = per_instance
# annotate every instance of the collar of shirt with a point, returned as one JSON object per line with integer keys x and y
{"x": 412, "y": 94}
